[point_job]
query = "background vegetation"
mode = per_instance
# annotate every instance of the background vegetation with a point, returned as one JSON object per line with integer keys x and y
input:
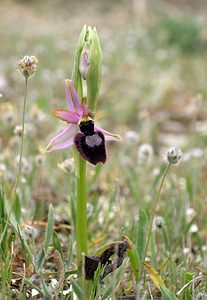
{"x": 153, "y": 91}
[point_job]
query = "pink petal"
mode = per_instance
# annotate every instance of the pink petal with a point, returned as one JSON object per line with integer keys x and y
{"x": 68, "y": 116}
{"x": 64, "y": 139}
{"x": 72, "y": 97}
{"x": 109, "y": 136}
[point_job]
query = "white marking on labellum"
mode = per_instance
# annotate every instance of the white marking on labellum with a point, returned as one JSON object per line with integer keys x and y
{"x": 93, "y": 140}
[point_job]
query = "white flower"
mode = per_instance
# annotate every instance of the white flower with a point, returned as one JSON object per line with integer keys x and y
{"x": 39, "y": 159}
{"x": 158, "y": 223}
{"x": 145, "y": 153}
{"x": 190, "y": 213}
{"x": 34, "y": 293}
{"x": 132, "y": 136}
{"x": 186, "y": 250}
{"x": 193, "y": 228}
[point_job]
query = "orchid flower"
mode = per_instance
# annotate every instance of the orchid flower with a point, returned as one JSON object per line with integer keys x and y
{"x": 77, "y": 115}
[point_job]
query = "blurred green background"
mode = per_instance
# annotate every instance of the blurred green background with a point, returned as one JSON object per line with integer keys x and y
{"x": 153, "y": 92}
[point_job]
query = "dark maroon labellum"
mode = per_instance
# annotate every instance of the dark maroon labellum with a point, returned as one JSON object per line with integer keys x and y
{"x": 90, "y": 144}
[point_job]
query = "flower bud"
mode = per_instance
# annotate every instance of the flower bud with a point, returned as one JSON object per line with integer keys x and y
{"x": 174, "y": 155}
{"x": 84, "y": 61}
{"x": 94, "y": 74}
{"x": 76, "y": 75}
{"x": 27, "y": 66}
{"x": 87, "y": 65}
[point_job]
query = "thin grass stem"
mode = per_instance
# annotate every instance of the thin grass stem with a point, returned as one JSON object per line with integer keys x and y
{"x": 19, "y": 171}
{"x": 22, "y": 143}
{"x": 153, "y": 214}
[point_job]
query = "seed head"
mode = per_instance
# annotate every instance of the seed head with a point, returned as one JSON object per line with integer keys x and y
{"x": 174, "y": 155}
{"x": 158, "y": 223}
{"x": 18, "y": 130}
{"x": 27, "y": 66}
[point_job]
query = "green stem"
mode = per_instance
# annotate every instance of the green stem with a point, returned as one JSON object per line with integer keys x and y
{"x": 153, "y": 214}
{"x": 81, "y": 211}
{"x": 20, "y": 160}
{"x": 22, "y": 143}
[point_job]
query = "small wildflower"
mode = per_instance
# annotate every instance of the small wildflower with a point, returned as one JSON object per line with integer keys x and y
{"x": 53, "y": 283}
{"x": 190, "y": 213}
{"x": 28, "y": 130}
{"x": 186, "y": 250}
{"x": 66, "y": 292}
{"x": 158, "y": 223}
{"x": 27, "y": 66}
{"x": 34, "y": 293}
{"x": 29, "y": 232}
{"x": 2, "y": 170}
{"x": 132, "y": 137}
{"x": 145, "y": 153}
{"x": 8, "y": 114}
{"x": 37, "y": 115}
{"x": 18, "y": 130}
{"x": 193, "y": 228}
{"x": 39, "y": 160}
{"x": 174, "y": 155}
{"x": 9, "y": 118}
{"x": 155, "y": 172}
{"x": 26, "y": 165}
{"x": 182, "y": 183}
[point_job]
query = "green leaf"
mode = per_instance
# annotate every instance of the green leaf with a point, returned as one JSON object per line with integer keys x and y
{"x": 167, "y": 294}
{"x": 48, "y": 238}
{"x": 40, "y": 258}
{"x": 107, "y": 293}
{"x": 134, "y": 258}
{"x": 76, "y": 76}
{"x": 17, "y": 208}
{"x": 141, "y": 239}
{"x": 96, "y": 281}
{"x": 2, "y": 208}
{"x": 29, "y": 256}
{"x": 50, "y": 223}
{"x": 47, "y": 292}
{"x": 32, "y": 285}
{"x": 56, "y": 244}
{"x": 77, "y": 289}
